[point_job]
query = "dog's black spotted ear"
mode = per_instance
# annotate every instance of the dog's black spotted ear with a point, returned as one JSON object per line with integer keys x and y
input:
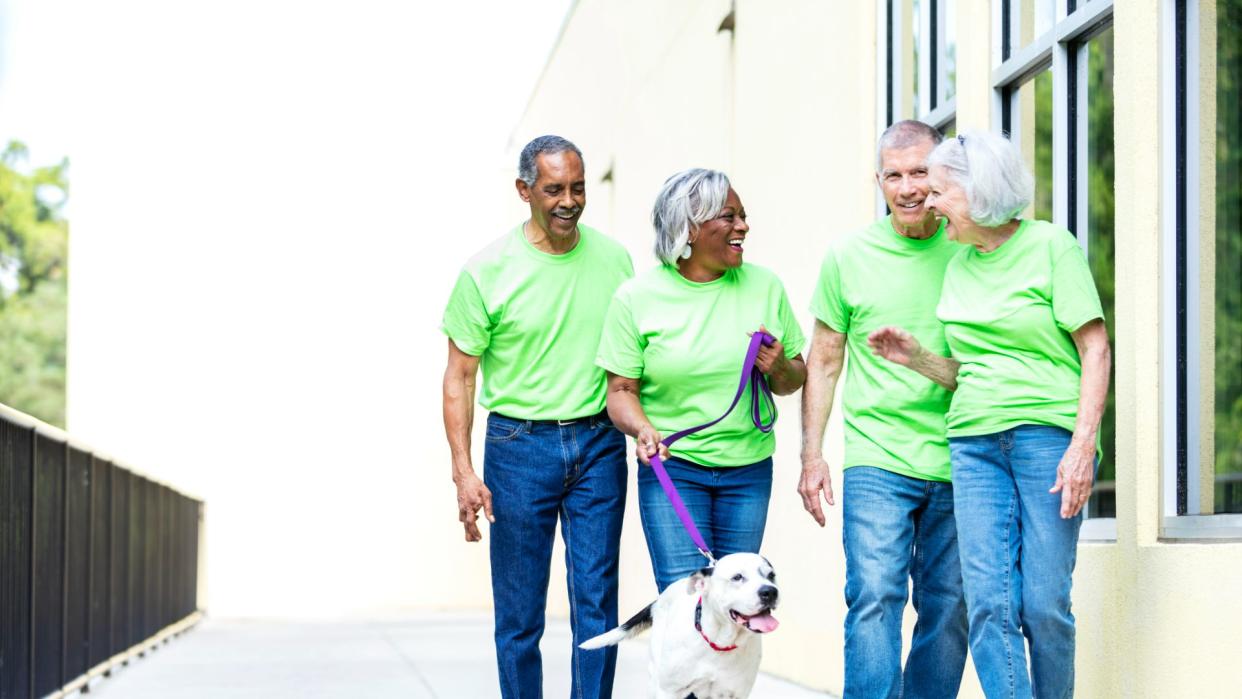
{"x": 698, "y": 581}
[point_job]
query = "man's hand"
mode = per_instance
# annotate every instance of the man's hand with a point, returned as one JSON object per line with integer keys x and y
{"x": 647, "y": 443}
{"x": 471, "y": 495}
{"x": 815, "y": 479}
{"x": 1075, "y": 476}
{"x": 771, "y": 358}
{"x": 894, "y": 344}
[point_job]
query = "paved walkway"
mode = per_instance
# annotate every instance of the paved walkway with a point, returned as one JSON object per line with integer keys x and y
{"x": 426, "y": 656}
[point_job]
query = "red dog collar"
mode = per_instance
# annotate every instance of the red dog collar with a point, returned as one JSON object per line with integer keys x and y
{"x": 698, "y": 626}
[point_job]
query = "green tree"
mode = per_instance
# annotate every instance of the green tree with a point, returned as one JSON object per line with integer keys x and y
{"x": 34, "y": 237}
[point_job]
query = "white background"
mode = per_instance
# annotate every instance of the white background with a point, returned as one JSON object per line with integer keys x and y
{"x": 270, "y": 201}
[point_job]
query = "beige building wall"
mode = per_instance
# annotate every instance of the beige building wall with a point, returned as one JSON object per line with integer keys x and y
{"x": 786, "y": 103}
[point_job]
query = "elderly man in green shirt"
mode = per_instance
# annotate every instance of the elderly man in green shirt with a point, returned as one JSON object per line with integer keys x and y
{"x": 898, "y": 523}
{"x": 529, "y": 309}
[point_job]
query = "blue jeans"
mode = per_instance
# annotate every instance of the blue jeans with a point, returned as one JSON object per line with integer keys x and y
{"x": 729, "y": 505}
{"x": 897, "y": 529}
{"x": 538, "y": 472}
{"x": 1017, "y": 559}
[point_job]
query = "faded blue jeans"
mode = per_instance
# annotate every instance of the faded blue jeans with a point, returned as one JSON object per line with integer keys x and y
{"x": 729, "y": 505}
{"x": 539, "y": 472}
{"x": 1018, "y": 559}
{"x": 896, "y": 530}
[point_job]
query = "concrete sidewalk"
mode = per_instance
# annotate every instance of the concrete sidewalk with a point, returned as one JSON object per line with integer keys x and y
{"x": 442, "y": 656}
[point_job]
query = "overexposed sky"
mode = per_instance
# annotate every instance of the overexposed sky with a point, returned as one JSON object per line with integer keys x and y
{"x": 270, "y": 202}
{"x": 35, "y": 72}
{"x": 469, "y": 65}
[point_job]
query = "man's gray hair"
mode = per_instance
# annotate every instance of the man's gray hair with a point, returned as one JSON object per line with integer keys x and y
{"x": 904, "y": 134}
{"x": 989, "y": 167}
{"x": 528, "y": 172}
{"x": 687, "y": 200}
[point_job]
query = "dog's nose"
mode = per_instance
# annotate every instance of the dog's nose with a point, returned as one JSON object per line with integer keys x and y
{"x": 767, "y": 595}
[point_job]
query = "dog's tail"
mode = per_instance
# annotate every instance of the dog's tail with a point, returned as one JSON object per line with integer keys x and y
{"x": 637, "y": 624}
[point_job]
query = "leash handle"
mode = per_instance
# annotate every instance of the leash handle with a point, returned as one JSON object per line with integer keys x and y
{"x": 761, "y": 395}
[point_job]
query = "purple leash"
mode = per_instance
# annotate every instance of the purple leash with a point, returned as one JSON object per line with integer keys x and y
{"x": 760, "y": 395}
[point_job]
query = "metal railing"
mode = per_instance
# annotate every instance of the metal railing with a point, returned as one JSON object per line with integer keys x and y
{"x": 97, "y": 562}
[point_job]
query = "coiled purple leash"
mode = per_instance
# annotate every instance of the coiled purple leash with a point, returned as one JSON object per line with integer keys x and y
{"x": 760, "y": 396}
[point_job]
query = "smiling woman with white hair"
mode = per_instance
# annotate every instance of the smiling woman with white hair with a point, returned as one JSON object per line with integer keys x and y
{"x": 673, "y": 344}
{"x": 1029, "y": 371}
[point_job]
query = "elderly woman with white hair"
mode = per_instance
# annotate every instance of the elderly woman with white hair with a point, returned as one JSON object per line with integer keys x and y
{"x": 673, "y": 345}
{"x": 1029, "y": 372}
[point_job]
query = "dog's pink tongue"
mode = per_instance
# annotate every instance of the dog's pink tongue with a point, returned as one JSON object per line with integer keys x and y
{"x": 762, "y": 623}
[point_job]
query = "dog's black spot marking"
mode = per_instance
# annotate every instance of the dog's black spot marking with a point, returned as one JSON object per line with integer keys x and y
{"x": 707, "y": 572}
{"x": 639, "y": 621}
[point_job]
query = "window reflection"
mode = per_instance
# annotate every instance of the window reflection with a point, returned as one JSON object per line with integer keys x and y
{"x": 1029, "y": 19}
{"x": 1228, "y": 432}
{"x": 948, "y": 54}
{"x": 1100, "y": 240}
{"x": 1032, "y": 129}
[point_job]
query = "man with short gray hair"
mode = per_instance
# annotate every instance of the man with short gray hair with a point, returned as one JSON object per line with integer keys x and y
{"x": 898, "y": 523}
{"x": 529, "y": 309}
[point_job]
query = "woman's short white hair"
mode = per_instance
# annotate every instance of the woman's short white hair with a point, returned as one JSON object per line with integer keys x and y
{"x": 687, "y": 200}
{"x": 990, "y": 169}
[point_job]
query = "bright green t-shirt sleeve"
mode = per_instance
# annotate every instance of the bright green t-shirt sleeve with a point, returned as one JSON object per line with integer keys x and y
{"x": 828, "y": 304}
{"x": 791, "y": 336}
{"x": 1075, "y": 300}
{"x": 465, "y": 318}
{"x": 620, "y": 348}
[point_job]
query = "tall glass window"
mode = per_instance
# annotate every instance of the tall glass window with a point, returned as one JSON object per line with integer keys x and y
{"x": 921, "y": 60}
{"x": 1054, "y": 89}
{"x": 1228, "y": 360}
{"x": 1100, "y": 211}
{"x": 1031, "y": 129}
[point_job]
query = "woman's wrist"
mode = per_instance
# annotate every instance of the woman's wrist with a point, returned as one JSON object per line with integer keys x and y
{"x": 920, "y": 357}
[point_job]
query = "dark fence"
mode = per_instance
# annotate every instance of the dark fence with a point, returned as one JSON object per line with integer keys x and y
{"x": 95, "y": 560}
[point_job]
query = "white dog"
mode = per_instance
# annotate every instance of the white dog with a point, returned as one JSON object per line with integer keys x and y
{"x": 705, "y": 629}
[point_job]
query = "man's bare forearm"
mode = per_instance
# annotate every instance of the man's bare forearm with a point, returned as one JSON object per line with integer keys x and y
{"x": 941, "y": 370}
{"x": 459, "y": 386}
{"x": 823, "y": 369}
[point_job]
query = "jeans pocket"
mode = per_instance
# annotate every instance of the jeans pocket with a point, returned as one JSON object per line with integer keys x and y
{"x": 503, "y": 430}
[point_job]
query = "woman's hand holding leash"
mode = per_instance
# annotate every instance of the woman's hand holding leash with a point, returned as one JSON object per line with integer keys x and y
{"x": 771, "y": 358}
{"x": 647, "y": 444}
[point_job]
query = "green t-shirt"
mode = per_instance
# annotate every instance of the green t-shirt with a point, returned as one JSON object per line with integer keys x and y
{"x": 894, "y": 418}
{"x": 686, "y": 342}
{"x": 1008, "y": 315}
{"x": 535, "y": 320}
